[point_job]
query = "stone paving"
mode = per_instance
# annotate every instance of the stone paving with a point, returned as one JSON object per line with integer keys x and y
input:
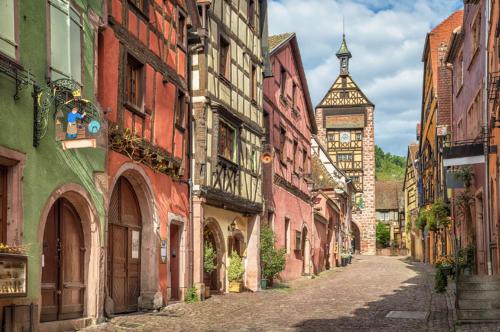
{"x": 355, "y": 298}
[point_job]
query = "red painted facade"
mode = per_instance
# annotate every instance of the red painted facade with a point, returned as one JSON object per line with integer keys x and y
{"x": 153, "y": 41}
{"x": 288, "y": 114}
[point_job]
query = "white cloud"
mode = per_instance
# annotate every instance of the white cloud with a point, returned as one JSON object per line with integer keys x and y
{"x": 386, "y": 38}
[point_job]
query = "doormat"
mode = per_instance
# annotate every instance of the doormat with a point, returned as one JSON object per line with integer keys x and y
{"x": 421, "y": 315}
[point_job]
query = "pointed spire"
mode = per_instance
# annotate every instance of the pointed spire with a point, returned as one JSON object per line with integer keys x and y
{"x": 343, "y": 51}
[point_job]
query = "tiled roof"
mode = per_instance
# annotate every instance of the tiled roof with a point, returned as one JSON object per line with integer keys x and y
{"x": 388, "y": 195}
{"x": 277, "y": 40}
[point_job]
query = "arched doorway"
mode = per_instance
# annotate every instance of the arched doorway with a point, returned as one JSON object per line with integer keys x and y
{"x": 213, "y": 235}
{"x": 124, "y": 256}
{"x": 356, "y": 240}
{"x": 63, "y": 264}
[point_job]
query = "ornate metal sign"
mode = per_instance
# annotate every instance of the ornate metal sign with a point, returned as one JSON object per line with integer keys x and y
{"x": 77, "y": 120}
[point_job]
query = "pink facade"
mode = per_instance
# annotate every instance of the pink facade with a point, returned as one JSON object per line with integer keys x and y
{"x": 289, "y": 123}
{"x": 466, "y": 56}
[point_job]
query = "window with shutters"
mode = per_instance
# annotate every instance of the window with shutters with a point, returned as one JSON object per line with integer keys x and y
{"x": 227, "y": 141}
{"x": 65, "y": 41}
{"x": 224, "y": 58}
{"x": 8, "y": 40}
{"x": 133, "y": 83}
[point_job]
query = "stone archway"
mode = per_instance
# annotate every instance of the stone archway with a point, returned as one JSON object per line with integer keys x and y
{"x": 356, "y": 240}
{"x": 150, "y": 294}
{"x": 213, "y": 233}
{"x": 80, "y": 200}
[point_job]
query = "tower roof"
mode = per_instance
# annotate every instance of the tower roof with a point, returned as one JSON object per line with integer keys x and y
{"x": 343, "y": 50}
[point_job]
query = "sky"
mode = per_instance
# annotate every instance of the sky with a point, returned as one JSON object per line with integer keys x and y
{"x": 386, "y": 39}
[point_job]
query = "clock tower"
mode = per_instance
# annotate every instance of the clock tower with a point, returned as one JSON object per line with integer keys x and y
{"x": 345, "y": 126}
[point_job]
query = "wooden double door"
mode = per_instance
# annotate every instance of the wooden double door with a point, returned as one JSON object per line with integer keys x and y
{"x": 63, "y": 285}
{"x": 124, "y": 248}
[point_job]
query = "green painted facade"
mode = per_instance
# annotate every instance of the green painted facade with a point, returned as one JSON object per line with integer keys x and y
{"x": 48, "y": 166}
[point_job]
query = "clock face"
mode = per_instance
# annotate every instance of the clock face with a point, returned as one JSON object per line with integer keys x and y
{"x": 345, "y": 137}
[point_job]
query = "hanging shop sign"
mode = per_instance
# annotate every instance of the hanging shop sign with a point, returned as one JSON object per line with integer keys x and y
{"x": 78, "y": 122}
{"x": 464, "y": 154}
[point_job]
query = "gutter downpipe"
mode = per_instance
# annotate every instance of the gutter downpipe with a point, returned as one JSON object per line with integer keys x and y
{"x": 486, "y": 138}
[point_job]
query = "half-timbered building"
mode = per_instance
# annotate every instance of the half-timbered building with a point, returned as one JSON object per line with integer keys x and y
{"x": 228, "y": 130}
{"x": 345, "y": 124}
{"x": 410, "y": 192}
{"x": 289, "y": 122}
{"x": 142, "y": 83}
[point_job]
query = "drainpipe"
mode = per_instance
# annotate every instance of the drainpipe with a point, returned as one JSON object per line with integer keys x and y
{"x": 486, "y": 138}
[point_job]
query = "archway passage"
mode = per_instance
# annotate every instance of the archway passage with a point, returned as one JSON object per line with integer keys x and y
{"x": 356, "y": 240}
{"x": 211, "y": 279}
{"x": 124, "y": 257}
{"x": 63, "y": 282}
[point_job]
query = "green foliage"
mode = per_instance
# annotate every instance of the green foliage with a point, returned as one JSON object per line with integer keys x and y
{"x": 272, "y": 260}
{"x": 422, "y": 219}
{"x": 191, "y": 295}
{"x": 383, "y": 235}
{"x": 236, "y": 269}
{"x": 209, "y": 258}
{"x": 440, "y": 214}
{"x": 440, "y": 281}
{"x": 388, "y": 166}
{"x": 465, "y": 175}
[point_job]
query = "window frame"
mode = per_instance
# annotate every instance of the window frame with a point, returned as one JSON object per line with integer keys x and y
{"x": 282, "y": 143}
{"x": 181, "y": 36}
{"x": 251, "y": 14}
{"x": 226, "y": 73}
{"x": 141, "y": 84}
{"x": 234, "y": 130}
{"x": 78, "y": 10}
{"x": 16, "y": 58}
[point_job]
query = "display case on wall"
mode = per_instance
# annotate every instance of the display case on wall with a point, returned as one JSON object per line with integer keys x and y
{"x": 13, "y": 273}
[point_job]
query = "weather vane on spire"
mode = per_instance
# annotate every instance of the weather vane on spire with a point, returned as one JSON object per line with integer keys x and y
{"x": 343, "y": 53}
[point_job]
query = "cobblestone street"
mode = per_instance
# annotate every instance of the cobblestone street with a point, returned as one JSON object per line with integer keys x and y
{"x": 355, "y": 298}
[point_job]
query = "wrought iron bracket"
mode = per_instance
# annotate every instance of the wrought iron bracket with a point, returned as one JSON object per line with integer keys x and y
{"x": 21, "y": 77}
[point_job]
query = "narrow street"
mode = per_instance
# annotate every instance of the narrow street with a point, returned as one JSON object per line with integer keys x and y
{"x": 355, "y": 298}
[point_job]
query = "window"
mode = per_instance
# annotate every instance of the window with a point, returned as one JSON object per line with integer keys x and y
{"x": 282, "y": 143}
{"x": 181, "y": 30}
{"x": 476, "y": 33}
{"x": 226, "y": 146}
{"x": 282, "y": 81}
{"x": 65, "y": 41}
{"x": 3, "y": 204}
{"x": 294, "y": 92}
{"x": 139, "y": 4}
{"x": 344, "y": 157}
{"x": 287, "y": 235}
{"x": 180, "y": 110}
{"x": 294, "y": 156}
{"x": 8, "y": 43}
{"x": 359, "y": 136}
{"x": 254, "y": 83}
{"x": 459, "y": 74}
{"x": 251, "y": 13}
{"x": 224, "y": 58}
{"x": 133, "y": 84}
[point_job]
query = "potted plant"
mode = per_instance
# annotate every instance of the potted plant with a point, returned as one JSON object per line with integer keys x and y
{"x": 209, "y": 264}
{"x": 235, "y": 273}
{"x": 445, "y": 264}
{"x": 344, "y": 258}
{"x": 272, "y": 260}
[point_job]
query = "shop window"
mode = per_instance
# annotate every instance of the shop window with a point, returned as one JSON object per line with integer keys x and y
{"x": 227, "y": 141}
{"x": 224, "y": 58}
{"x": 65, "y": 41}
{"x": 133, "y": 84}
{"x": 8, "y": 44}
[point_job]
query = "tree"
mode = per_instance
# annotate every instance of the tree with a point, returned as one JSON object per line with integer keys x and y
{"x": 383, "y": 235}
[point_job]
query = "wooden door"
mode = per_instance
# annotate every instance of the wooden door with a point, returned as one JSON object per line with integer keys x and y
{"x": 124, "y": 258}
{"x": 63, "y": 265}
{"x": 174, "y": 262}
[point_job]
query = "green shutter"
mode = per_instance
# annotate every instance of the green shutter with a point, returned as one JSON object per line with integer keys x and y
{"x": 7, "y": 28}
